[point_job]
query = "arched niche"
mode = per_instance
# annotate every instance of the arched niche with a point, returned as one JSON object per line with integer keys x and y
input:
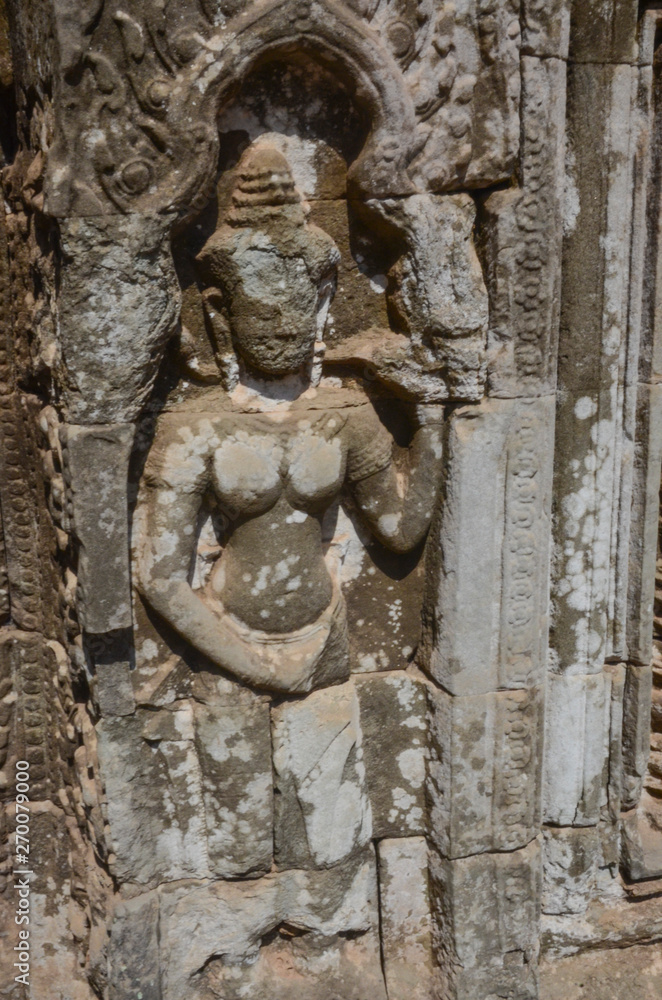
{"x": 147, "y": 132}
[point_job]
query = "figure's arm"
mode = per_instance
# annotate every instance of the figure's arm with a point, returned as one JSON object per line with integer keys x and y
{"x": 398, "y": 505}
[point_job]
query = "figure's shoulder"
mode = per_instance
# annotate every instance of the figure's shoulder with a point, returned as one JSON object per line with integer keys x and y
{"x": 192, "y": 425}
{"x": 196, "y": 403}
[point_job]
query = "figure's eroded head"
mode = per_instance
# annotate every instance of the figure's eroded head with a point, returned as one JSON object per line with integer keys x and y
{"x": 270, "y": 266}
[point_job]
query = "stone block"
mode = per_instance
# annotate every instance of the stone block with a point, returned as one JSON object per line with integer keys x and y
{"x": 29, "y": 537}
{"x": 595, "y": 364}
{"x": 393, "y": 719}
{"x": 641, "y": 840}
{"x": 189, "y": 790}
{"x": 649, "y": 22}
{"x": 233, "y": 744}
{"x": 522, "y": 233}
{"x": 616, "y": 674}
{"x": 486, "y": 607}
{"x": 133, "y": 954}
{"x": 546, "y": 27}
{"x": 598, "y": 210}
{"x": 322, "y": 809}
{"x": 118, "y": 305}
{"x": 576, "y": 749}
{"x": 486, "y": 913}
{"x": 55, "y": 970}
{"x": 584, "y": 495}
{"x": 30, "y": 715}
{"x": 636, "y": 732}
{"x": 466, "y": 84}
{"x": 406, "y": 931}
{"x": 96, "y": 471}
{"x": 484, "y": 772}
{"x": 219, "y": 938}
{"x": 383, "y": 591}
{"x": 570, "y": 859}
{"x": 155, "y": 809}
{"x": 604, "y": 32}
{"x": 109, "y": 657}
{"x": 644, "y": 517}
{"x": 444, "y": 358}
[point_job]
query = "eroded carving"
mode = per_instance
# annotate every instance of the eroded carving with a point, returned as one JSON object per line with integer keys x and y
{"x": 262, "y": 457}
{"x": 441, "y": 86}
{"x": 274, "y": 452}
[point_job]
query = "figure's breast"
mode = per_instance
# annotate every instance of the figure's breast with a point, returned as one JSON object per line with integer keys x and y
{"x": 302, "y": 459}
{"x": 246, "y": 471}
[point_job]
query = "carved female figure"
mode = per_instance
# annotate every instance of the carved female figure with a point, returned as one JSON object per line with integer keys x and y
{"x": 274, "y": 447}
{"x": 275, "y": 451}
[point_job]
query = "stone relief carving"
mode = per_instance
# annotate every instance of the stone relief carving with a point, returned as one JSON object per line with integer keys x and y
{"x": 264, "y": 456}
{"x": 295, "y": 734}
{"x": 269, "y": 277}
{"x": 441, "y": 83}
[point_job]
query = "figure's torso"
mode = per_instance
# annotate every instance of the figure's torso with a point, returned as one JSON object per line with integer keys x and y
{"x": 274, "y": 480}
{"x": 273, "y": 474}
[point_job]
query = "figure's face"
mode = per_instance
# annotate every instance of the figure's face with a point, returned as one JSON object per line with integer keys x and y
{"x": 273, "y": 313}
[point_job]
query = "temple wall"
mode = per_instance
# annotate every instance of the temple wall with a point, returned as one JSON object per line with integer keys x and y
{"x": 330, "y": 449}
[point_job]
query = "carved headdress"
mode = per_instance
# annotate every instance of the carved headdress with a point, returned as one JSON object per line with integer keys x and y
{"x": 264, "y": 185}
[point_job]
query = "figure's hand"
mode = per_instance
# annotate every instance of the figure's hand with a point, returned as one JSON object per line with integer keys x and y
{"x": 375, "y": 349}
{"x": 393, "y": 360}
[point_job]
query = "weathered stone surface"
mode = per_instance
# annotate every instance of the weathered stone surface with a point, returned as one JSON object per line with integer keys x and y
{"x": 189, "y": 788}
{"x": 323, "y": 811}
{"x": 29, "y": 537}
{"x": 584, "y": 495}
{"x": 598, "y": 207}
{"x": 485, "y": 762}
{"x": 467, "y": 86}
{"x": 445, "y": 78}
{"x": 258, "y": 723}
{"x": 488, "y": 615}
{"x": 96, "y": 470}
{"x": 233, "y": 744}
{"x": 644, "y": 518}
{"x": 153, "y": 790}
{"x": 134, "y": 971}
{"x": 393, "y": 709}
{"x": 594, "y": 423}
{"x": 406, "y": 929}
{"x": 112, "y": 683}
{"x": 642, "y": 840}
{"x": 118, "y": 306}
{"x": 447, "y": 326}
{"x": 570, "y": 858}
{"x": 546, "y": 27}
{"x": 632, "y": 973}
{"x": 604, "y": 31}
{"x": 383, "y": 594}
{"x": 33, "y": 714}
{"x": 486, "y": 910}
{"x": 210, "y": 936}
{"x": 55, "y": 910}
{"x": 636, "y": 732}
{"x": 617, "y": 673}
{"x": 576, "y": 745}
